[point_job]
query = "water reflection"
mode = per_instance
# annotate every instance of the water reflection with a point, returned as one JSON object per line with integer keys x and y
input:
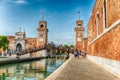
{"x": 35, "y": 70}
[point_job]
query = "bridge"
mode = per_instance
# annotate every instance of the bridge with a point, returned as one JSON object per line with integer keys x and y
{"x": 48, "y": 48}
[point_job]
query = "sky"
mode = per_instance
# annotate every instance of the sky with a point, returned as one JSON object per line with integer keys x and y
{"x": 61, "y": 16}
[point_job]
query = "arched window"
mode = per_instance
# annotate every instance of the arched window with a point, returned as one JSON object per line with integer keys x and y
{"x": 97, "y": 23}
{"x": 79, "y": 25}
{"x": 90, "y": 34}
{"x": 41, "y": 26}
{"x": 104, "y": 14}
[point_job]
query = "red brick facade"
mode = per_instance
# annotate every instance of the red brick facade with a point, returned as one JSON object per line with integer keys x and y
{"x": 42, "y": 33}
{"x": 41, "y": 40}
{"x": 81, "y": 42}
{"x": 11, "y": 42}
{"x": 31, "y": 42}
{"x": 104, "y": 31}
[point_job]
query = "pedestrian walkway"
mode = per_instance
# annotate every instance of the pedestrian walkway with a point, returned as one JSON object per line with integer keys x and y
{"x": 84, "y": 69}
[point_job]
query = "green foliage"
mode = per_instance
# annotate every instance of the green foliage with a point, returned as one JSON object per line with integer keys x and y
{"x": 65, "y": 46}
{"x": 71, "y": 46}
{"x": 4, "y": 42}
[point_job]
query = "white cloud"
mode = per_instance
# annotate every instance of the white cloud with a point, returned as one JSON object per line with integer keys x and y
{"x": 63, "y": 38}
{"x": 20, "y": 1}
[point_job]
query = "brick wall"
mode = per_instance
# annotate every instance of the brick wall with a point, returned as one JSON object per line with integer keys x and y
{"x": 85, "y": 44}
{"x": 113, "y": 11}
{"x": 11, "y": 42}
{"x": 106, "y": 46}
{"x": 31, "y": 42}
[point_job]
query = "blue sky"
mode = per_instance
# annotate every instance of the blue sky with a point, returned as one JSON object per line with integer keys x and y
{"x": 60, "y": 15}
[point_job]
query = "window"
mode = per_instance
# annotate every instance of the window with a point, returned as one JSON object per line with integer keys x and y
{"x": 90, "y": 34}
{"x": 97, "y": 23}
{"x": 41, "y": 35}
{"x": 104, "y": 13}
{"x": 79, "y": 25}
{"x": 41, "y": 25}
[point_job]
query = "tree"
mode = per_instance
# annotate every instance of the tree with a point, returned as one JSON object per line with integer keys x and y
{"x": 4, "y": 43}
{"x": 65, "y": 46}
{"x": 71, "y": 46}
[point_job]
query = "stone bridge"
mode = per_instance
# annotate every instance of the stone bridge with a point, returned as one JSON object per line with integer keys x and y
{"x": 44, "y": 50}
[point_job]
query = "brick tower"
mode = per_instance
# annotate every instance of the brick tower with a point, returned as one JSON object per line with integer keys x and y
{"x": 42, "y": 38}
{"x": 79, "y": 35}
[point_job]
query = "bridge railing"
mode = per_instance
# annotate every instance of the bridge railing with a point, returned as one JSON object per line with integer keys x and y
{"x": 31, "y": 50}
{"x": 48, "y": 48}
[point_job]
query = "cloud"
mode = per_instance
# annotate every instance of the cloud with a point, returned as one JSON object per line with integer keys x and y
{"x": 20, "y": 1}
{"x": 63, "y": 38}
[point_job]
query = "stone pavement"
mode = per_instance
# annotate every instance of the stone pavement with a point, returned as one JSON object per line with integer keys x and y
{"x": 84, "y": 69}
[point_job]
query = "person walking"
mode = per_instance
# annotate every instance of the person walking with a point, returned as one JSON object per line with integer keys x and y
{"x": 85, "y": 53}
{"x": 79, "y": 54}
{"x": 75, "y": 53}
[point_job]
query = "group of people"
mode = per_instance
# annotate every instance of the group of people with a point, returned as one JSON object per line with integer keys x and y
{"x": 6, "y": 54}
{"x": 79, "y": 53}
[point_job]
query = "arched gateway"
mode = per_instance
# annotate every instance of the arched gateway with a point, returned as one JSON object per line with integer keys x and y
{"x": 18, "y": 47}
{"x": 20, "y": 41}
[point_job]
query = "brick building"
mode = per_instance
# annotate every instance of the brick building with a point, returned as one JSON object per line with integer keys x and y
{"x": 80, "y": 40}
{"x": 20, "y": 42}
{"x": 104, "y": 34}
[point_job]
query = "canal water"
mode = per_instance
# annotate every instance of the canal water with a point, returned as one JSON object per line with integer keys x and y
{"x": 34, "y": 70}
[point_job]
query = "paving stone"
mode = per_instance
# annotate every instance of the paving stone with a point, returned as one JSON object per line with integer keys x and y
{"x": 84, "y": 69}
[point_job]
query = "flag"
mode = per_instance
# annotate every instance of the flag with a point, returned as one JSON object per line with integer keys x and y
{"x": 78, "y": 12}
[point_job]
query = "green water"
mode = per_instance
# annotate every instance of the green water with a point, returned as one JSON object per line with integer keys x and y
{"x": 35, "y": 70}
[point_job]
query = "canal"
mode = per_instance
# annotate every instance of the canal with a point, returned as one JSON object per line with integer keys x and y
{"x": 34, "y": 70}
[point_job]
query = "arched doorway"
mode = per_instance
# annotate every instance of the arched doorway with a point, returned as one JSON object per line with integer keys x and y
{"x": 18, "y": 47}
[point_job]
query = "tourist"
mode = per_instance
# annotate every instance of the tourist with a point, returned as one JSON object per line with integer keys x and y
{"x": 79, "y": 54}
{"x": 17, "y": 55}
{"x": 85, "y": 53}
{"x": 75, "y": 53}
